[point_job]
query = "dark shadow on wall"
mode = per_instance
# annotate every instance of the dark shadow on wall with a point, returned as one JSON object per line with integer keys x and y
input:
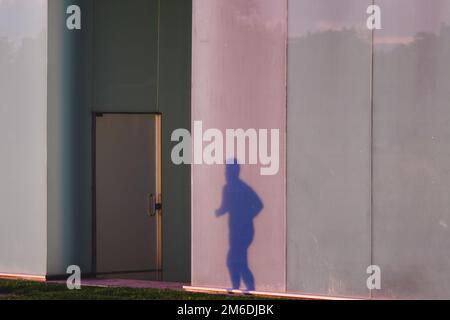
{"x": 242, "y": 204}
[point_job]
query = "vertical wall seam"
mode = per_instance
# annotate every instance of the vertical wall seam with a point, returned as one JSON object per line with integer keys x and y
{"x": 94, "y": 80}
{"x": 46, "y": 140}
{"x": 193, "y": 65}
{"x": 286, "y": 151}
{"x": 93, "y": 146}
{"x": 158, "y": 53}
{"x": 372, "y": 58}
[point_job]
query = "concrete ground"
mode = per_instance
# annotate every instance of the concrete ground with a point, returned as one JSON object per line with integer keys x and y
{"x": 128, "y": 283}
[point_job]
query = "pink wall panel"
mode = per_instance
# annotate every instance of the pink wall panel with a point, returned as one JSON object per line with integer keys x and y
{"x": 239, "y": 81}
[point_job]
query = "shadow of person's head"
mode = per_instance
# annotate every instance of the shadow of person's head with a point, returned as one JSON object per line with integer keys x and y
{"x": 233, "y": 170}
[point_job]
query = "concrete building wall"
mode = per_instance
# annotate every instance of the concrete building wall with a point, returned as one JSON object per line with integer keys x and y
{"x": 23, "y": 109}
{"x": 367, "y": 136}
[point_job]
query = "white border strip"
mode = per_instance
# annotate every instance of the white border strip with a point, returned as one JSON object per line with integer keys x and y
{"x": 262, "y": 294}
{"x": 14, "y": 276}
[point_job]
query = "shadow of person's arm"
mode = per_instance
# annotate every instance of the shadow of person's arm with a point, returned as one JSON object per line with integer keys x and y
{"x": 257, "y": 204}
{"x": 224, "y": 206}
{"x": 220, "y": 212}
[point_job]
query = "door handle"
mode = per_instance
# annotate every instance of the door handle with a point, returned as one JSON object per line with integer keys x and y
{"x": 153, "y": 206}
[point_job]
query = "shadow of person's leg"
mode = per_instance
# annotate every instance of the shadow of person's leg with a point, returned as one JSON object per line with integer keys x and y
{"x": 247, "y": 275}
{"x": 234, "y": 269}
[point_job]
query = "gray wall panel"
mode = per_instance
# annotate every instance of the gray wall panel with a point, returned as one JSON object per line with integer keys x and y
{"x": 175, "y": 105}
{"x": 239, "y": 77}
{"x": 125, "y": 55}
{"x": 69, "y": 140}
{"x": 23, "y": 108}
{"x": 329, "y": 120}
{"x": 411, "y": 214}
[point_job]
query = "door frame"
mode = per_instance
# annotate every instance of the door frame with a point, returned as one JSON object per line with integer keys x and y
{"x": 158, "y": 216}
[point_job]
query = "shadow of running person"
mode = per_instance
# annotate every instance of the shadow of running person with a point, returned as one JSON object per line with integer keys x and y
{"x": 242, "y": 204}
